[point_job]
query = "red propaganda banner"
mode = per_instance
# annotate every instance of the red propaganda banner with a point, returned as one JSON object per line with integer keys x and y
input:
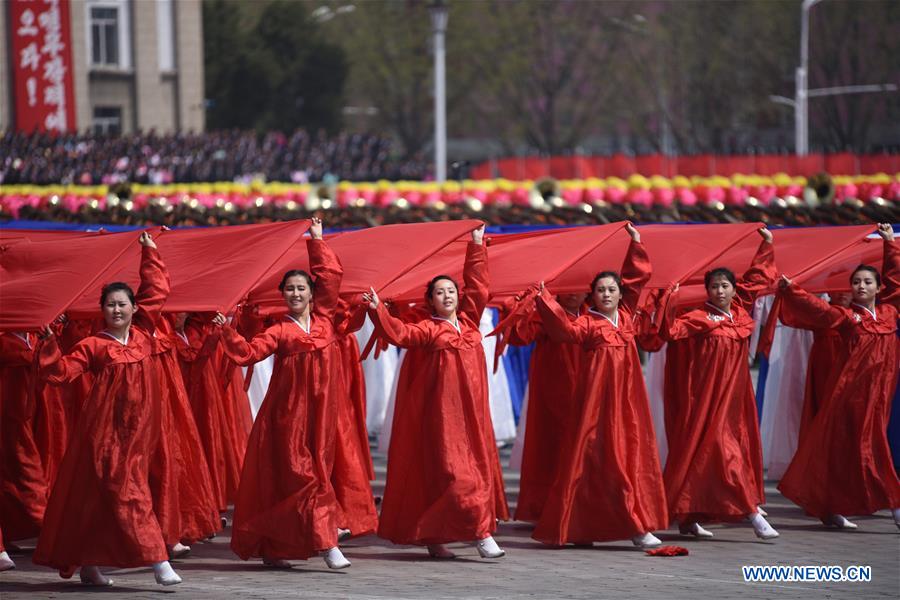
{"x": 42, "y": 65}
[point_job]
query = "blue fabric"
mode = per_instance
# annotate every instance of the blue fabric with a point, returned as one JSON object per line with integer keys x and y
{"x": 761, "y": 386}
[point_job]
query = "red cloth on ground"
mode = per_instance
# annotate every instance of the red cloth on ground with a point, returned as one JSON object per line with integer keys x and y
{"x": 444, "y": 481}
{"x": 843, "y": 464}
{"x": 609, "y": 482}
{"x": 668, "y": 551}
{"x": 286, "y": 507}
{"x": 714, "y": 467}
{"x": 23, "y": 483}
{"x": 552, "y": 406}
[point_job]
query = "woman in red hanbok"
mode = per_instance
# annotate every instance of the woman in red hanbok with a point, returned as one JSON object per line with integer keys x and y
{"x": 286, "y": 506}
{"x": 843, "y": 465}
{"x": 23, "y": 482}
{"x": 352, "y": 461}
{"x": 609, "y": 482}
{"x": 552, "y": 403}
{"x": 444, "y": 482}
{"x": 714, "y": 467}
{"x": 101, "y": 508}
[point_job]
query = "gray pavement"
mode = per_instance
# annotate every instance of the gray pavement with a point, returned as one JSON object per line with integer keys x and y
{"x": 530, "y": 570}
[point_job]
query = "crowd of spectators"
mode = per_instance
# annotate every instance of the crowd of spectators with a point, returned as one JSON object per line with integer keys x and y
{"x": 184, "y": 215}
{"x": 235, "y": 155}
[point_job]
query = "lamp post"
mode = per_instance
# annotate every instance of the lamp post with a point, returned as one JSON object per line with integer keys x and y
{"x": 801, "y": 106}
{"x": 439, "y": 14}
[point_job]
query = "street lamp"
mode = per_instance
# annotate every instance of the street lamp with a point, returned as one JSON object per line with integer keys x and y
{"x": 439, "y": 13}
{"x": 801, "y": 106}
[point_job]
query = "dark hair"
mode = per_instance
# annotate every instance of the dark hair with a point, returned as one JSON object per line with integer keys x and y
{"x": 719, "y": 272}
{"x": 430, "y": 289}
{"x": 294, "y": 273}
{"x": 116, "y": 286}
{"x": 615, "y": 277}
{"x": 868, "y": 268}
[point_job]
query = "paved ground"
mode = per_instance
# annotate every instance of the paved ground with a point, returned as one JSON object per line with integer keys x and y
{"x": 609, "y": 570}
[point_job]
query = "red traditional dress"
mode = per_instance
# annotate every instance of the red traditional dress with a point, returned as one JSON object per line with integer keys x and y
{"x": 352, "y": 462}
{"x": 183, "y": 498}
{"x": 609, "y": 482}
{"x": 714, "y": 467}
{"x": 444, "y": 481}
{"x": 843, "y": 463}
{"x": 552, "y": 406}
{"x": 101, "y": 508}
{"x": 23, "y": 483}
{"x": 198, "y": 352}
{"x": 286, "y": 507}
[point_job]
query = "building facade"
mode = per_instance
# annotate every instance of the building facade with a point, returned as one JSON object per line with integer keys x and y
{"x": 134, "y": 64}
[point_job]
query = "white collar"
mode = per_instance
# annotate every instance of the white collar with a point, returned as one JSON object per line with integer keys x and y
{"x": 127, "y": 335}
{"x": 24, "y": 337}
{"x": 183, "y": 336}
{"x": 717, "y": 309}
{"x": 455, "y": 325}
{"x": 300, "y": 325}
{"x": 597, "y": 312}
{"x": 871, "y": 312}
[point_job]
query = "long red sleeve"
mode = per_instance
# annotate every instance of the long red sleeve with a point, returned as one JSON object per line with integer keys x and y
{"x": 758, "y": 278}
{"x": 890, "y": 276}
{"x": 327, "y": 271}
{"x": 636, "y": 272}
{"x": 476, "y": 282}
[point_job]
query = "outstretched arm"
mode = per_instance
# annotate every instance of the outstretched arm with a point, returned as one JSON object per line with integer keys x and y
{"x": 890, "y": 275}
{"x": 155, "y": 285}
{"x": 327, "y": 271}
{"x": 636, "y": 270}
{"x": 761, "y": 275}
{"x": 53, "y": 367}
{"x": 803, "y": 307}
{"x": 476, "y": 278}
{"x": 392, "y": 329}
{"x": 240, "y": 350}
{"x": 556, "y": 323}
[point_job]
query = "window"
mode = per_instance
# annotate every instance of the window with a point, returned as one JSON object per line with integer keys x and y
{"x": 105, "y": 35}
{"x": 165, "y": 44}
{"x": 108, "y": 120}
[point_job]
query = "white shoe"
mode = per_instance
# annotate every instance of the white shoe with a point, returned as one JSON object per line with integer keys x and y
{"x": 179, "y": 550}
{"x": 840, "y": 522}
{"x": 761, "y": 511}
{"x": 646, "y": 541}
{"x": 6, "y": 563}
{"x": 440, "y": 551}
{"x": 91, "y": 575}
{"x": 896, "y": 514}
{"x": 277, "y": 563}
{"x": 488, "y": 548}
{"x": 343, "y": 534}
{"x": 335, "y": 559}
{"x": 695, "y": 530}
{"x": 761, "y": 527}
{"x": 165, "y": 574}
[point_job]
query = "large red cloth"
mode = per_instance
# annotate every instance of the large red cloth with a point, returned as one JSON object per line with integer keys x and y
{"x": 552, "y": 405}
{"x": 444, "y": 481}
{"x": 714, "y": 466}
{"x": 101, "y": 508}
{"x": 198, "y": 352}
{"x": 286, "y": 506}
{"x": 23, "y": 483}
{"x": 609, "y": 482}
{"x": 843, "y": 463}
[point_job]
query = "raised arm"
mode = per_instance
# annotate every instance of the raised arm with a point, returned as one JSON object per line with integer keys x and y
{"x": 761, "y": 275}
{"x": 392, "y": 329}
{"x": 556, "y": 323}
{"x": 890, "y": 271}
{"x": 476, "y": 279}
{"x": 154, "y": 288}
{"x": 673, "y": 327}
{"x": 241, "y": 351}
{"x": 53, "y": 367}
{"x": 636, "y": 270}
{"x": 327, "y": 271}
{"x": 799, "y": 306}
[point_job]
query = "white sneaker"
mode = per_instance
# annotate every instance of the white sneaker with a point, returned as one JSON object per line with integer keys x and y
{"x": 277, "y": 563}
{"x": 488, "y": 548}
{"x": 179, "y": 550}
{"x": 695, "y": 530}
{"x": 335, "y": 559}
{"x": 646, "y": 541}
{"x": 440, "y": 551}
{"x": 91, "y": 575}
{"x": 343, "y": 534}
{"x": 6, "y": 563}
{"x": 840, "y": 522}
{"x": 165, "y": 574}
{"x": 761, "y": 527}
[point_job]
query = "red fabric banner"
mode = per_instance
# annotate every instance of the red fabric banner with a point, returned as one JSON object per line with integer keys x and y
{"x": 42, "y": 65}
